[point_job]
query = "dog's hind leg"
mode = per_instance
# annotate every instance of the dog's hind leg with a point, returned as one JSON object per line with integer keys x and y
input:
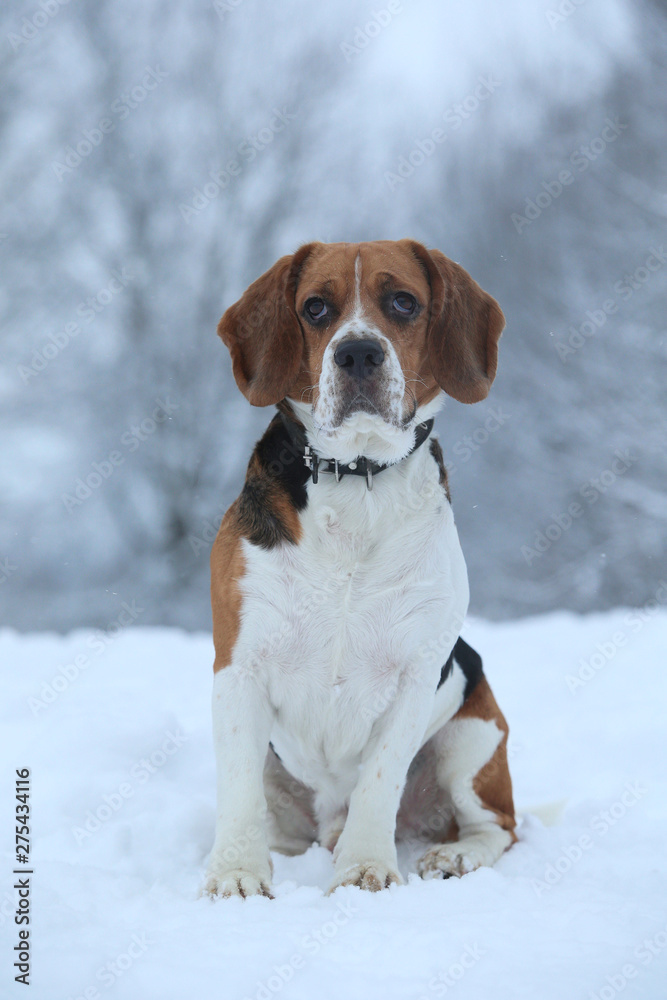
{"x": 472, "y": 771}
{"x": 291, "y": 822}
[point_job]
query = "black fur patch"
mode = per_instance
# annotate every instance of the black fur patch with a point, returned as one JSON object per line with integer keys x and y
{"x": 276, "y": 476}
{"x": 283, "y": 462}
{"x": 470, "y": 663}
{"x": 436, "y": 452}
{"x": 447, "y": 669}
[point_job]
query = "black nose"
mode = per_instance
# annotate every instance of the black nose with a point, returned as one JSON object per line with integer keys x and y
{"x": 359, "y": 357}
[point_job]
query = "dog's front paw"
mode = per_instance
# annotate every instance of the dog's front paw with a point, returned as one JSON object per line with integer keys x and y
{"x": 447, "y": 860}
{"x": 369, "y": 875}
{"x": 236, "y": 882}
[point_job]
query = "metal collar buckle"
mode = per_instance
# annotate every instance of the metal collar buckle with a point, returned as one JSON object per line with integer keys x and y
{"x": 312, "y": 461}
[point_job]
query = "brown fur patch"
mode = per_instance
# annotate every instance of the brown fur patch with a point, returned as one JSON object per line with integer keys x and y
{"x": 492, "y": 783}
{"x": 227, "y": 571}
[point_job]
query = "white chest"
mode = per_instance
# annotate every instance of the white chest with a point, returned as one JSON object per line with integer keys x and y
{"x": 332, "y": 626}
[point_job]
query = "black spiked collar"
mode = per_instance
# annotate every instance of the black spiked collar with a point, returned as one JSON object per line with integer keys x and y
{"x": 362, "y": 466}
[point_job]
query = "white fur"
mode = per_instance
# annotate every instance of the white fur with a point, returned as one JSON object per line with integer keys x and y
{"x": 341, "y": 644}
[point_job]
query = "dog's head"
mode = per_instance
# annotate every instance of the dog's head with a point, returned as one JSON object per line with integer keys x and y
{"x": 362, "y": 338}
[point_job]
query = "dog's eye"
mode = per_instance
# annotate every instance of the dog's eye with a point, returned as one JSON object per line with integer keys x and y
{"x": 316, "y": 309}
{"x": 404, "y": 304}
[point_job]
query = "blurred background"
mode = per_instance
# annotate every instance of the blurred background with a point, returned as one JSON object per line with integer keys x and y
{"x": 155, "y": 158}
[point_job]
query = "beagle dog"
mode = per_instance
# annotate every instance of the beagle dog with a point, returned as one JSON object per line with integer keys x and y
{"x": 347, "y": 710}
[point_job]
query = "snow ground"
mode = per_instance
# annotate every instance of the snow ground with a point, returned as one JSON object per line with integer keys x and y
{"x": 576, "y": 909}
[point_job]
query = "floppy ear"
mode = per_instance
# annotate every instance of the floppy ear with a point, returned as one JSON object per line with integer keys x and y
{"x": 263, "y": 333}
{"x": 464, "y": 329}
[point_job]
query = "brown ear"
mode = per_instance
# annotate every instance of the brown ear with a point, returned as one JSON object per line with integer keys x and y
{"x": 464, "y": 329}
{"x": 263, "y": 333}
